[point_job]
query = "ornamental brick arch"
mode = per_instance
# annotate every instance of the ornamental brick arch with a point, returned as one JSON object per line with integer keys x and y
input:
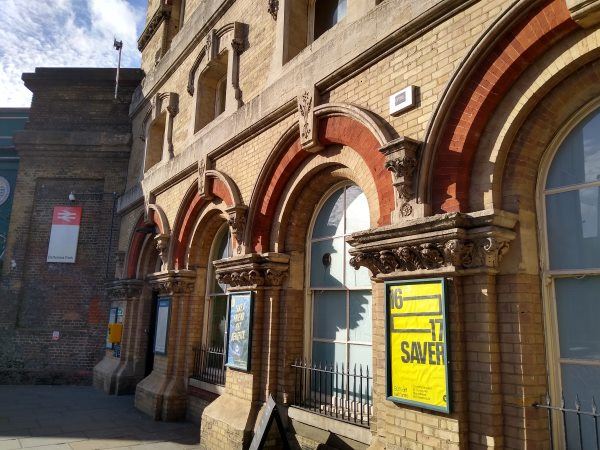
{"x": 153, "y": 216}
{"x": 216, "y": 191}
{"x": 338, "y": 125}
{"x": 515, "y": 41}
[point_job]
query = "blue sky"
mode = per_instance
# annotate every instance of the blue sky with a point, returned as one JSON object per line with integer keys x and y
{"x": 64, "y": 33}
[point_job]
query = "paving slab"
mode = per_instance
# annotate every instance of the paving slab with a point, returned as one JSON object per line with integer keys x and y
{"x": 82, "y": 418}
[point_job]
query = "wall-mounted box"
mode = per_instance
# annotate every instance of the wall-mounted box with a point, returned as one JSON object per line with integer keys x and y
{"x": 403, "y": 100}
{"x": 115, "y": 332}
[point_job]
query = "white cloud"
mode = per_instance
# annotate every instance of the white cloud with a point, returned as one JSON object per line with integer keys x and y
{"x": 63, "y": 33}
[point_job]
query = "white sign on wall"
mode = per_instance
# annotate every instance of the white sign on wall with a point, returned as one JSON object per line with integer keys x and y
{"x": 64, "y": 234}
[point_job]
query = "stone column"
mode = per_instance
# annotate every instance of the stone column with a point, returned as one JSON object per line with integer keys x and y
{"x": 111, "y": 371}
{"x": 162, "y": 394}
{"x": 228, "y": 422}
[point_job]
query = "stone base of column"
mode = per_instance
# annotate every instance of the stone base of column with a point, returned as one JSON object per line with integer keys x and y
{"x": 161, "y": 398}
{"x": 104, "y": 374}
{"x": 149, "y": 394}
{"x": 127, "y": 378}
{"x": 227, "y": 423}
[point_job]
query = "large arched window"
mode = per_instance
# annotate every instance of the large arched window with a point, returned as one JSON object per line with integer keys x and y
{"x": 216, "y": 292}
{"x": 340, "y": 295}
{"x": 570, "y": 207}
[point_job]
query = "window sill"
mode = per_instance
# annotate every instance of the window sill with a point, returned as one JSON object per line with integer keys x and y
{"x": 337, "y": 427}
{"x": 219, "y": 390}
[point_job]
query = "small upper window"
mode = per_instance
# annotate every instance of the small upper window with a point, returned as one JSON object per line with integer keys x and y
{"x": 327, "y": 14}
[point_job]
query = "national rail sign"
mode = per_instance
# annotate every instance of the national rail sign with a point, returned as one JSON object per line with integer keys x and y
{"x": 64, "y": 234}
{"x": 417, "y": 353}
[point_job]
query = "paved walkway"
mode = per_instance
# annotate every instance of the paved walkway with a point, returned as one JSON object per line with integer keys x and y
{"x": 82, "y": 418}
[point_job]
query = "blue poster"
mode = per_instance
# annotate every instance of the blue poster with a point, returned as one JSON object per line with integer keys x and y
{"x": 239, "y": 331}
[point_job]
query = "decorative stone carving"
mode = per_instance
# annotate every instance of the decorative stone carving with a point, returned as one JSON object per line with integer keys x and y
{"x": 253, "y": 271}
{"x": 306, "y": 119}
{"x": 448, "y": 242}
{"x": 201, "y": 176}
{"x": 173, "y": 282}
{"x": 162, "y": 13}
{"x": 273, "y": 8}
{"x": 124, "y": 290}
{"x": 162, "y": 246}
{"x": 401, "y": 158}
{"x": 237, "y": 224}
{"x": 237, "y": 44}
{"x": 461, "y": 254}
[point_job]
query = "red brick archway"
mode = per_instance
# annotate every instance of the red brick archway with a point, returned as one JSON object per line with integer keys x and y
{"x": 137, "y": 240}
{"x": 192, "y": 206}
{"x": 519, "y": 47}
{"x": 335, "y": 129}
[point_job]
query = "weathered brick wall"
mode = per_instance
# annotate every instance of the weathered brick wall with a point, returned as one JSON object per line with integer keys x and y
{"x": 76, "y": 141}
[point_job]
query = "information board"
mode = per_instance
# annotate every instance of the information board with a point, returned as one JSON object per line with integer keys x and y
{"x": 162, "y": 326}
{"x": 239, "y": 330}
{"x": 417, "y": 354}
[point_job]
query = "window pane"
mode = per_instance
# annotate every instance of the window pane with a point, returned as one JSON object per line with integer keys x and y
{"x": 357, "y": 210}
{"x": 356, "y": 278}
{"x": 217, "y": 322}
{"x": 578, "y": 159}
{"x": 329, "y": 316}
{"x": 330, "y": 353}
{"x": 360, "y": 316}
{"x": 360, "y": 355}
{"x": 573, "y": 237}
{"x": 582, "y": 381}
{"x": 327, "y": 14}
{"x": 330, "y": 221}
{"x": 327, "y": 263}
{"x": 578, "y": 310}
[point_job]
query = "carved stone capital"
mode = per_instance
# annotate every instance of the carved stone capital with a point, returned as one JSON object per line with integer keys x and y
{"x": 401, "y": 158}
{"x": 273, "y": 8}
{"x": 585, "y": 12}
{"x": 253, "y": 271}
{"x": 452, "y": 243}
{"x": 173, "y": 282}
{"x": 125, "y": 290}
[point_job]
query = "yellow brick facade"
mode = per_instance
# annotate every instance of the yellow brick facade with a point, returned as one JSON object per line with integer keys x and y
{"x": 322, "y": 119}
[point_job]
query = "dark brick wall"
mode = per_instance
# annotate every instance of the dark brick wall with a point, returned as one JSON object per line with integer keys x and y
{"x": 78, "y": 139}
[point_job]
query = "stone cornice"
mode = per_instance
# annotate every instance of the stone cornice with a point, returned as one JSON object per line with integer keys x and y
{"x": 585, "y": 12}
{"x": 253, "y": 271}
{"x": 446, "y": 243}
{"x": 163, "y": 12}
{"x": 123, "y": 290}
{"x": 173, "y": 282}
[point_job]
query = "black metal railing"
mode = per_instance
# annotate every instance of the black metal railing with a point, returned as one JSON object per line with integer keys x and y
{"x": 209, "y": 365}
{"x": 578, "y": 422}
{"x": 334, "y": 390}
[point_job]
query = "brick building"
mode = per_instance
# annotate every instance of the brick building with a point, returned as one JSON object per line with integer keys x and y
{"x": 268, "y": 157}
{"x": 77, "y": 140}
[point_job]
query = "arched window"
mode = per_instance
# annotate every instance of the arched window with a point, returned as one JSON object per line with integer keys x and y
{"x": 327, "y": 13}
{"x": 216, "y": 293}
{"x": 340, "y": 295}
{"x": 212, "y": 91}
{"x": 570, "y": 206}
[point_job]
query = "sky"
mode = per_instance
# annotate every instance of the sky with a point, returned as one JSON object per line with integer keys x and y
{"x": 64, "y": 33}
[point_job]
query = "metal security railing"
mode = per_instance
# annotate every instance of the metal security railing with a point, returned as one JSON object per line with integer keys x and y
{"x": 578, "y": 420}
{"x": 209, "y": 365}
{"x": 334, "y": 390}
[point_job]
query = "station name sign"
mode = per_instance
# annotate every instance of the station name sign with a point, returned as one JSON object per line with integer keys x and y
{"x": 417, "y": 350}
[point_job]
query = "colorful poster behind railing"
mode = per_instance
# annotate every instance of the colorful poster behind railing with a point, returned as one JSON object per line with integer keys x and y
{"x": 417, "y": 354}
{"x": 64, "y": 234}
{"x": 239, "y": 331}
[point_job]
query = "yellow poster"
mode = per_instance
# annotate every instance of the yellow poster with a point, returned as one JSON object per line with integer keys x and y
{"x": 417, "y": 365}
